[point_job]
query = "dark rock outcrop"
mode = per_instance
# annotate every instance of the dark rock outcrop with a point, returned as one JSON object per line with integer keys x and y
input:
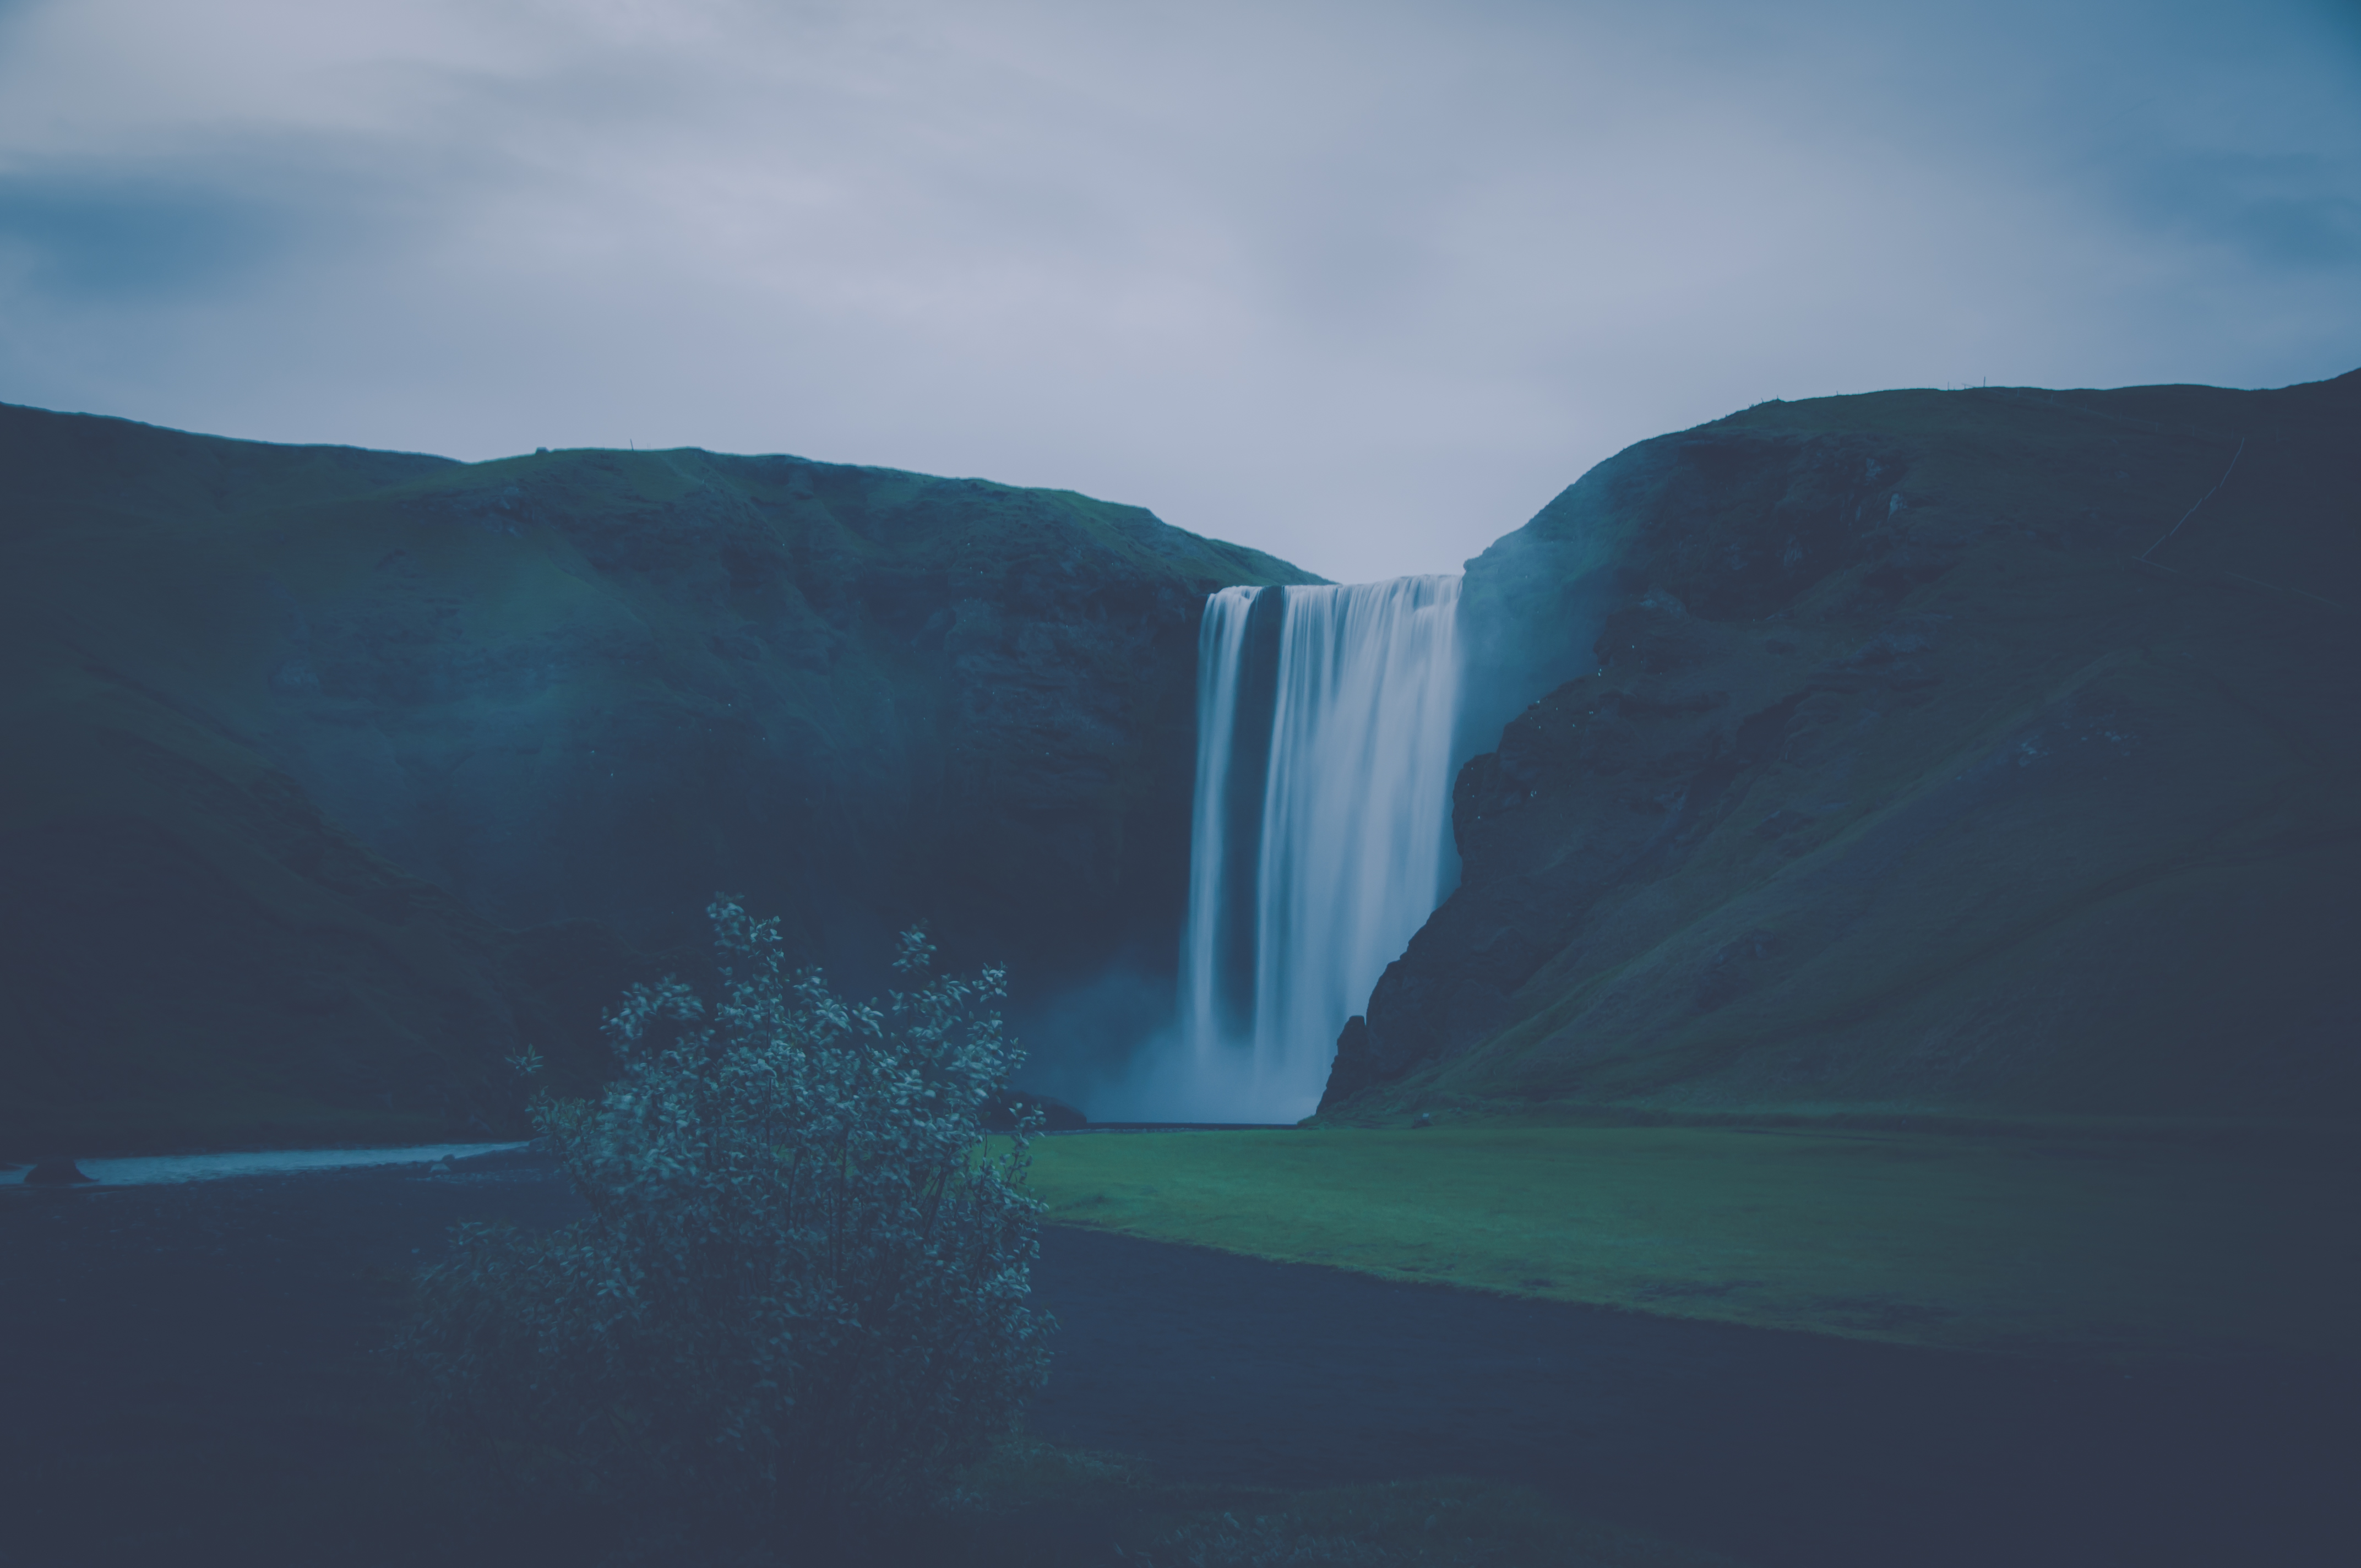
{"x": 349, "y": 773}
{"x": 1352, "y": 1070}
{"x": 1874, "y": 766}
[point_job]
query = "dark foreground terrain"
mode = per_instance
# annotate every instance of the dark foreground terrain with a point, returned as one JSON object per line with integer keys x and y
{"x": 190, "y": 1377}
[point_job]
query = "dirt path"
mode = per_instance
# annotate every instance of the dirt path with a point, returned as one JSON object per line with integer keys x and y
{"x": 188, "y": 1368}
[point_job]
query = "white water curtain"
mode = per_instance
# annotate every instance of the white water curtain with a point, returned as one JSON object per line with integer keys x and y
{"x": 1355, "y": 824}
{"x": 1219, "y": 643}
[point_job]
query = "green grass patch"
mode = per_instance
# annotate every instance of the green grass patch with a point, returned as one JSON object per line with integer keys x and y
{"x": 2118, "y": 1248}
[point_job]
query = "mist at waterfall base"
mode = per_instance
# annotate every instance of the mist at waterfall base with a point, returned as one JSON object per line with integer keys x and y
{"x": 1319, "y": 842}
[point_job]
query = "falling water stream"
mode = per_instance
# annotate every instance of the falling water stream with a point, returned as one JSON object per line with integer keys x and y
{"x": 1321, "y": 836}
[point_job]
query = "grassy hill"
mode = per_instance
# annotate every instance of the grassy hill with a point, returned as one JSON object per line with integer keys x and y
{"x": 343, "y": 774}
{"x": 1981, "y": 754}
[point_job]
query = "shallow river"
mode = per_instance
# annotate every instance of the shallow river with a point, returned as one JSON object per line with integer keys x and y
{"x": 149, "y": 1170}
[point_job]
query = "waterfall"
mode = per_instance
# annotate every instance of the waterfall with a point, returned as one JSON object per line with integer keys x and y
{"x": 1321, "y": 832}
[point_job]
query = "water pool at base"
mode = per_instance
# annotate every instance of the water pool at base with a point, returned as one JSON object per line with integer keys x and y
{"x": 148, "y": 1170}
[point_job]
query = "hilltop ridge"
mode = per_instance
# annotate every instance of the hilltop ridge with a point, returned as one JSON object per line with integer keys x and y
{"x": 1989, "y": 751}
{"x": 348, "y": 774}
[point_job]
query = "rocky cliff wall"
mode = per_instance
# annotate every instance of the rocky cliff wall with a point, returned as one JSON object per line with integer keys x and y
{"x": 1911, "y": 750}
{"x": 348, "y": 771}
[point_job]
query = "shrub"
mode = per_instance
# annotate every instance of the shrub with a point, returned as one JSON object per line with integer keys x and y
{"x": 801, "y": 1292}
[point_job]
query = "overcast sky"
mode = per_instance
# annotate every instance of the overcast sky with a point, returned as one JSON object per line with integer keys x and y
{"x": 1358, "y": 283}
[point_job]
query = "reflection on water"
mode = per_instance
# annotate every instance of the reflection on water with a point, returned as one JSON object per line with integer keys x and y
{"x": 151, "y": 1169}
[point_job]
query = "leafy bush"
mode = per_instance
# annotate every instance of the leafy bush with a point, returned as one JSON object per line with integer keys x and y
{"x": 801, "y": 1293}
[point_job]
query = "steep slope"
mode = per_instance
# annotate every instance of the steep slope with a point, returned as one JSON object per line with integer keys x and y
{"x": 347, "y": 772}
{"x": 1914, "y": 750}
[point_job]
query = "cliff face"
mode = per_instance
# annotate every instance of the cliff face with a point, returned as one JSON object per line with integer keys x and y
{"x": 1874, "y": 770}
{"x": 349, "y": 773}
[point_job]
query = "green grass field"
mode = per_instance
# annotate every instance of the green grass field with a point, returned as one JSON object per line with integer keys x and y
{"x": 2163, "y": 1246}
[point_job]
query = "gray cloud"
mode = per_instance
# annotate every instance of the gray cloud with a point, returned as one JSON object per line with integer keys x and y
{"x": 1362, "y": 284}
{"x": 2288, "y": 212}
{"x": 114, "y": 237}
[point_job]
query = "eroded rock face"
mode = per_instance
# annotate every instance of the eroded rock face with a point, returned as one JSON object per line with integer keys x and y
{"x": 1872, "y": 769}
